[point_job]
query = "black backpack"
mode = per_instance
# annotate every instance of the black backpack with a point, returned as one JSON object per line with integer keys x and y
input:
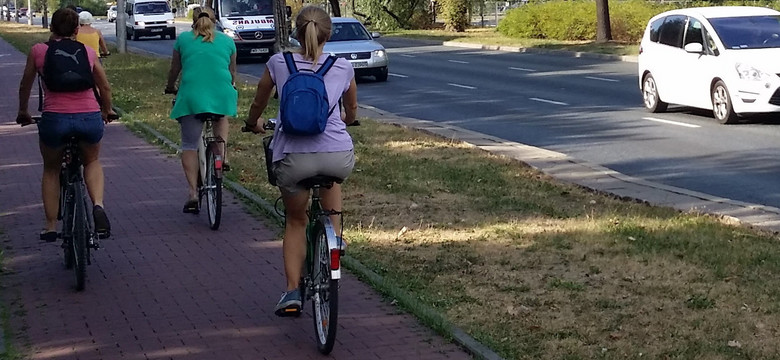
{"x": 66, "y": 67}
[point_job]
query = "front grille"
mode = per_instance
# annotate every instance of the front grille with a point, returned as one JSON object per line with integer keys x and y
{"x": 775, "y": 99}
{"x": 359, "y": 56}
{"x": 250, "y": 35}
{"x": 156, "y": 22}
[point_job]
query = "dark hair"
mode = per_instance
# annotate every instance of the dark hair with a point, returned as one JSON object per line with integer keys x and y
{"x": 64, "y": 22}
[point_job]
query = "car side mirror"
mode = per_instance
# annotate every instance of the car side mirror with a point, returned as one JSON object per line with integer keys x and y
{"x": 288, "y": 11}
{"x": 375, "y": 35}
{"x": 173, "y": 10}
{"x": 694, "y": 48}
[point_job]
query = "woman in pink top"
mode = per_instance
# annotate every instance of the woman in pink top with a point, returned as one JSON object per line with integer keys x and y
{"x": 68, "y": 113}
{"x": 299, "y": 157}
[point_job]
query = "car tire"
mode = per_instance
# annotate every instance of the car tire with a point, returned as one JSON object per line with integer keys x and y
{"x": 381, "y": 74}
{"x": 172, "y": 35}
{"x": 135, "y": 36}
{"x": 722, "y": 107}
{"x": 650, "y": 95}
{"x": 128, "y": 34}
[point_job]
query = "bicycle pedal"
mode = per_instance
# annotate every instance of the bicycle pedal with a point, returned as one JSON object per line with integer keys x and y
{"x": 292, "y": 311}
{"x": 104, "y": 235}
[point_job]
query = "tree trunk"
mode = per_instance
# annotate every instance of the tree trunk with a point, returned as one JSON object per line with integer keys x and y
{"x": 335, "y": 8}
{"x": 603, "y": 29}
{"x": 280, "y": 23}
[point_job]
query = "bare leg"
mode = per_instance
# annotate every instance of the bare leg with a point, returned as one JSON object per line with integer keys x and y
{"x": 221, "y": 129}
{"x": 331, "y": 200}
{"x": 50, "y": 184}
{"x": 93, "y": 172}
{"x": 294, "y": 246}
{"x": 189, "y": 161}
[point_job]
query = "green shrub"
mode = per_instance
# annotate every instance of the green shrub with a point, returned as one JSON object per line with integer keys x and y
{"x": 455, "y": 14}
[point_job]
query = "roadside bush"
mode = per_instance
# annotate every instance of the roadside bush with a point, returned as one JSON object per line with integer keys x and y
{"x": 455, "y": 14}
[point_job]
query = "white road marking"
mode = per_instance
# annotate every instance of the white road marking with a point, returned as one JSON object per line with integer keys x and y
{"x": 458, "y": 61}
{"x": 549, "y": 101}
{"x": 462, "y": 86}
{"x": 671, "y": 122}
{"x": 521, "y": 69}
{"x": 601, "y": 79}
{"x": 407, "y": 55}
{"x": 398, "y": 75}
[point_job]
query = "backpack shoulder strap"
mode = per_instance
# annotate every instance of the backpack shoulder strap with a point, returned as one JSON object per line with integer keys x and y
{"x": 326, "y": 65}
{"x": 288, "y": 59}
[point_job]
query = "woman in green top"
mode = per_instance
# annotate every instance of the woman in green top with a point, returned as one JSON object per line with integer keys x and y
{"x": 206, "y": 60}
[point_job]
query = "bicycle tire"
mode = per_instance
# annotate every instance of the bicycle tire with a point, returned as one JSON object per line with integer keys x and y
{"x": 213, "y": 191}
{"x": 67, "y": 228}
{"x": 325, "y": 297}
{"x": 79, "y": 239}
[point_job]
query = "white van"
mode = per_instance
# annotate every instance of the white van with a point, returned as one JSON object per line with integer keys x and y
{"x": 149, "y": 18}
{"x": 249, "y": 22}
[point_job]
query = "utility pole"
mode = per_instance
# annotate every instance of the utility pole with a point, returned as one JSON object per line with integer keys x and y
{"x": 8, "y": 10}
{"x": 45, "y": 18}
{"x": 121, "y": 30}
{"x": 29, "y": 12}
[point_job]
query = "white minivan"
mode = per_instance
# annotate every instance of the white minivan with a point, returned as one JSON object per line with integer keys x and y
{"x": 723, "y": 58}
{"x": 149, "y": 18}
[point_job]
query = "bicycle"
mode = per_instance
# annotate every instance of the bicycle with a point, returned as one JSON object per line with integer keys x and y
{"x": 322, "y": 267}
{"x": 78, "y": 231}
{"x": 209, "y": 168}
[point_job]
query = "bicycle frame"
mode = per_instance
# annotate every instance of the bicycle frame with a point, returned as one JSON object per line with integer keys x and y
{"x": 316, "y": 213}
{"x": 72, "y": 176}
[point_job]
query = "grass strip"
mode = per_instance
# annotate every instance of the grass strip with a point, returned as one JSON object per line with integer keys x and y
{"x": 533, "y": 268}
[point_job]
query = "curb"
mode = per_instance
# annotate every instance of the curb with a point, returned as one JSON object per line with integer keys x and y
{"x": 576, "y": 54}
{"x": 364, "y": 273}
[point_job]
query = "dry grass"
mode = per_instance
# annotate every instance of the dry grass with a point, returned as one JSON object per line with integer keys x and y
{"x": 531, "y": 267}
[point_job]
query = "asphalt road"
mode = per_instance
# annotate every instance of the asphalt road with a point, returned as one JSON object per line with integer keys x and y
{"x": 589, "y": 109}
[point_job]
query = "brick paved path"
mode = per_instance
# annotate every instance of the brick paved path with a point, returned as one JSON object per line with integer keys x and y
{"x": 165, "y": 286}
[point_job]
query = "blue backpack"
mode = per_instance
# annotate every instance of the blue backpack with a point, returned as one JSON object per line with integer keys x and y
{"x": 304, "y": 108}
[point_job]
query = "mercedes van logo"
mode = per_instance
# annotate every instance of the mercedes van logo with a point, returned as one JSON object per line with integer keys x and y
{"x": 353, "y": 56}
{"x": 258, "y": 35}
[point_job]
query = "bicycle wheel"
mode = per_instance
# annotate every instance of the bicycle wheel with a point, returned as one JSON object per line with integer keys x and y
{"x": 67, "y": 227}
{"x": 79, "y": 239}
{"x": 325, "y": 299}
{"x": 213, "y": 190}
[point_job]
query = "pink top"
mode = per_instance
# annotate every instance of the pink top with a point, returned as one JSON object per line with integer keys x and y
{"x": 64, "y": 102}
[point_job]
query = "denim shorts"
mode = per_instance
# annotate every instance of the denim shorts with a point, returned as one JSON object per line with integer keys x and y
{"x": 53, "y": 128}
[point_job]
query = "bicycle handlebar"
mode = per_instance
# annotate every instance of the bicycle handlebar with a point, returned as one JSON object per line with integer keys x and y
{"x": 37, "y": 118}
{"x": 271, "y": 125}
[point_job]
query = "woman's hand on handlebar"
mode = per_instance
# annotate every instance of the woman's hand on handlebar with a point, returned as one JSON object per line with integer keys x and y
{"x": 23, "y": 118}
{"x": 256, "y": 128}
{"x": 171, "y": 90}
{"x": 109, "y": 116}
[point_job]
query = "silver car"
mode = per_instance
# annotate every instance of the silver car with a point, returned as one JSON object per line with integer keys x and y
{"x": 350, "y": 40}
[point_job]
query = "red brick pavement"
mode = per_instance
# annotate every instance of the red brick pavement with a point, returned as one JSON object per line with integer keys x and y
{"x": 165, "y": 286}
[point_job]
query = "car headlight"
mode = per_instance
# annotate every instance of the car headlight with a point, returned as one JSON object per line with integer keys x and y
{"x": 379, "y": 54}
{"x": 748, "y": 72}
{"x": 231, "y": 33}
{"x": 140, "y": 23}
{"x": 169, "y": 21}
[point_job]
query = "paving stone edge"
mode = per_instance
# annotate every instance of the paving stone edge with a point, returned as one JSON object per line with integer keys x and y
{"x": 377, "y": 281}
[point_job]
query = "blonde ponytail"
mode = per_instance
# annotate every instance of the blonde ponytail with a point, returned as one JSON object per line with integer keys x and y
{"x": 314, "y": 27}
{"x": 203, "y": 20}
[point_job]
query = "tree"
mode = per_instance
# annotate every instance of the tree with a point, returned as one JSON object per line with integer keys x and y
{"x": 280, "y": 22}
{"x": 455, "y": 14}
{"x": 335, "y": 8}
{"x": 603, "y": 29}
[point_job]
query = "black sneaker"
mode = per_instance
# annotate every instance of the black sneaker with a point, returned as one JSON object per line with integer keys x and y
{"x": 102, "y": 226}
{"x": 289, "y": 304}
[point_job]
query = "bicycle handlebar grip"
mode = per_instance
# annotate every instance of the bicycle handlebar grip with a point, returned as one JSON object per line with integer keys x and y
{"x": 169, "y": 92}
{"x": 355, "y": 123}
{"x": 113, "y": 116}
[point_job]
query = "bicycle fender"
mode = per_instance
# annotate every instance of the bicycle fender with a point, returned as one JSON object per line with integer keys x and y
{"x": 335, "y": 274}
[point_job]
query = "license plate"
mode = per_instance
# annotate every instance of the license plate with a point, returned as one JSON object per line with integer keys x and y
{"x": 157, "y": 30}
{"x": 359, "y": 64}
{"x": 259, "y": 51}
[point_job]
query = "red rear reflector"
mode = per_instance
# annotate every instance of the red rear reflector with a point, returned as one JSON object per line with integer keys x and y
{"x": 218, "y": 162}
{"x": 335, "y": 259}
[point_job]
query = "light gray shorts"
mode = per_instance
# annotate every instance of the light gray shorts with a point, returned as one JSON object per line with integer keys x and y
{"x": 191, "y": 129}
{"x": 298, "y": 166}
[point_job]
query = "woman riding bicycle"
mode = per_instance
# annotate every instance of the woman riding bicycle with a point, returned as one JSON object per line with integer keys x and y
{"x": 90, "y": 36}
{"x": 206, "y": 60}
{"x": 299, "y": 157}
{"x": 68, "y": 113}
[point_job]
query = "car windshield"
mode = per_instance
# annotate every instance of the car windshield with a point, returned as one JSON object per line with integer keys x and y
{"x": 246, "y": 7}
{"x": 113, "y": 8}
{"x": 348, "y": 32}
{"x": 152, "y": 8}
{"x": 749, "y": 32}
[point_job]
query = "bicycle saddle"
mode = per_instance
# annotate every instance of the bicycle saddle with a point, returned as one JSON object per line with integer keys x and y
{"x": 208, "y": 116}
{"x": 320, "y": 180}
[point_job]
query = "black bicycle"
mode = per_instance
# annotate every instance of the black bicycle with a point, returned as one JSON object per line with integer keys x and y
{"x": 78, "y": 230}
